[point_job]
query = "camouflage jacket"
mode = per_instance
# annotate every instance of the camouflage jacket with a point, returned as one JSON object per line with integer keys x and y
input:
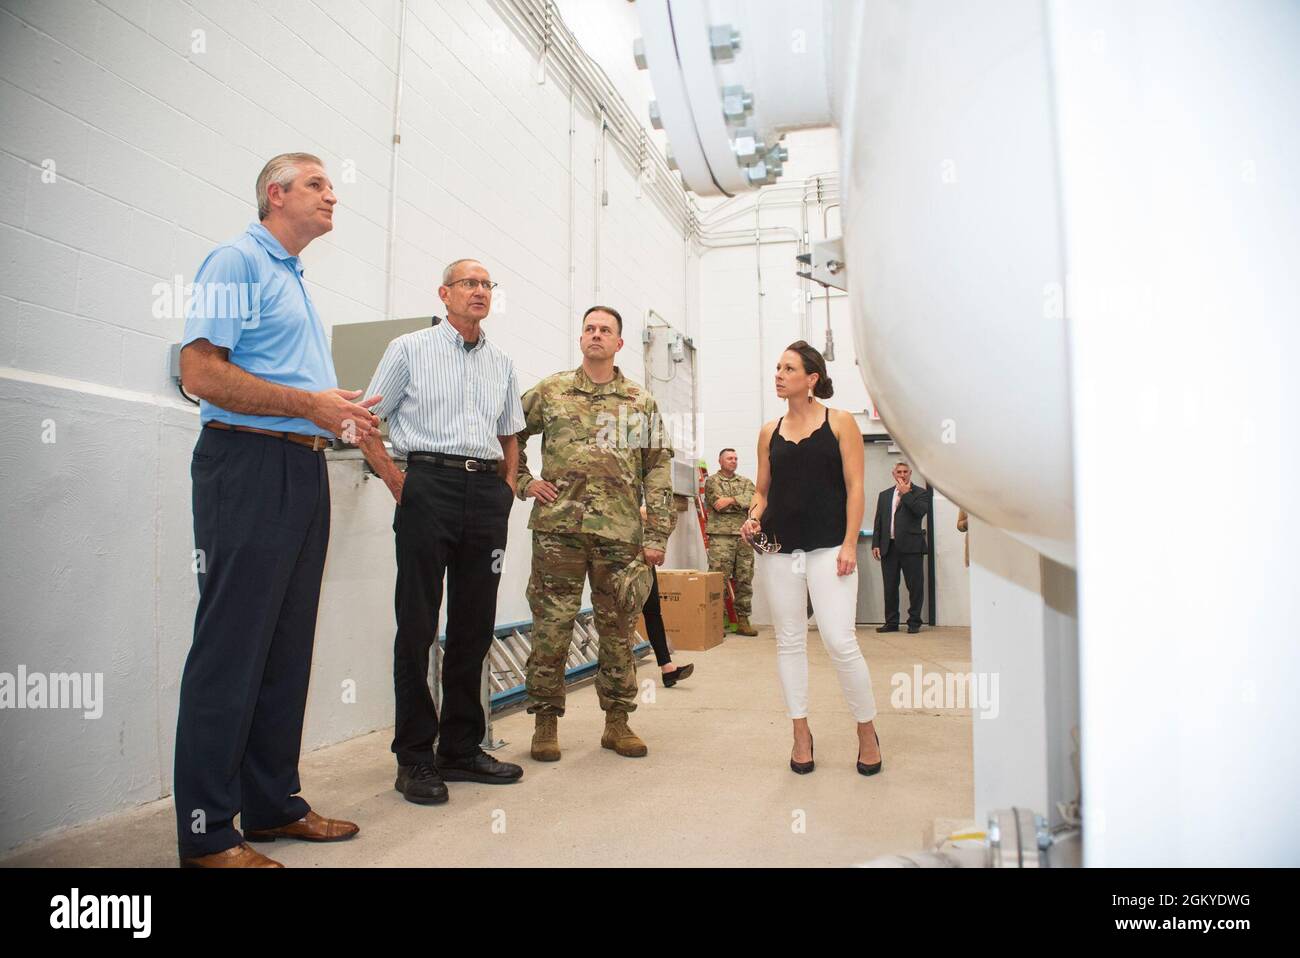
{"x": 604, "y": 448}
{"x": 729, "y": 521}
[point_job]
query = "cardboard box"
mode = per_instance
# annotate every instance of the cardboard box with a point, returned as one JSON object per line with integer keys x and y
{"x": 692, "y": 607}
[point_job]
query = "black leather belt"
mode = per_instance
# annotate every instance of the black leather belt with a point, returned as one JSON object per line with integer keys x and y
{"x": 462, "y": 463}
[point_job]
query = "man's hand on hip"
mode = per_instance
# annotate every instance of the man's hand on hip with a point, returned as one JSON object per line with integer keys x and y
{"x": 653, "y": 556}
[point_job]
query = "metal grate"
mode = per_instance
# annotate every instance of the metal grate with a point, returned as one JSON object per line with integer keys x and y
{"x": 507, "y": 658}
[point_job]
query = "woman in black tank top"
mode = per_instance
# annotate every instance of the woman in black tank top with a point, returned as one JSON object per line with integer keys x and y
{"x": 807, "y": 496}
{"x": 804, "y": 518}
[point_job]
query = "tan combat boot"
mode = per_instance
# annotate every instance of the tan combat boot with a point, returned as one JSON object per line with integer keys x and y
{"x": 546, "y": 739}
{"x": 621, "y": 738}
{"x": 743, "y": 627}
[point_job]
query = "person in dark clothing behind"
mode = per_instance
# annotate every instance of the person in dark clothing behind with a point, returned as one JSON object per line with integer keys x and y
{"x": 898, "y": 542}
{"x": 654, "y": 626}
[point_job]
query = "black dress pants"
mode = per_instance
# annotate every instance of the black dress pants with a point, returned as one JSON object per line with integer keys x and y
{"x": 261, "y": 527}
{"x": 450, "y": 522}
{"x": 912, "y": 566}
{"x": 654, "y": 622}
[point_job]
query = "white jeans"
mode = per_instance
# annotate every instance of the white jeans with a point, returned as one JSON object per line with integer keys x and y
{"x": 835, "y": 599}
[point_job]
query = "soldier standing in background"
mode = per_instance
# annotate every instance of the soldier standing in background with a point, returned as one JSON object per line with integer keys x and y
{"x": 727, "y": 497}
{"x": 602, "y": 452}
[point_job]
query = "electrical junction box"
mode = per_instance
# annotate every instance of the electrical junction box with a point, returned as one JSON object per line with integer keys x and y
{"x": 677, "y": 348}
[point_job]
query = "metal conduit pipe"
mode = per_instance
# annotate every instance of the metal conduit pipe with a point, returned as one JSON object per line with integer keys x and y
{"x": 548, "y": 38}
{"x": 717, "y": 241}
{"x": 687, "y": 321}
{"x": 390, "y": 290}
{"x": 707, "y": 228}
{"x": 729, "y": 210}
{"x": 573, "y": 232}
{"x": 598, "y": 189}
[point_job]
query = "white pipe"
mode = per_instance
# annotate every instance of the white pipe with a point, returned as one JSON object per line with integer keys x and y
{"x": 810, "y": 185}
{"x": 747, "y": 240}
{"x": 805, "y": 294}
{"x": 597, "y": 190}
{"x": 569, "y": 322}
{"x": 601, "y": 95}
{"x": 762, "y": 345}
{"x": 390, "y": 293}
{"x": 695, "y": 375}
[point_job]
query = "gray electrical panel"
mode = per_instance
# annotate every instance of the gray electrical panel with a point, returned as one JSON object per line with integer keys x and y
{"x": 358, "y": 347}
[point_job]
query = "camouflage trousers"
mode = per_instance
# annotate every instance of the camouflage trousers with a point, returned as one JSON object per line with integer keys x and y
{"x": 734, "y": 558}
{"x": 561, "y": 564}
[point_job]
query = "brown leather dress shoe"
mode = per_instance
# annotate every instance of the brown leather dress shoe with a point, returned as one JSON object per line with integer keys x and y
{"x": 238, "y": 856}
{"x": 310, "y": 828}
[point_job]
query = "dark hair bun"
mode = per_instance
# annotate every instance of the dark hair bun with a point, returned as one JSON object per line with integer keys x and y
{"x": 824, "y": 389}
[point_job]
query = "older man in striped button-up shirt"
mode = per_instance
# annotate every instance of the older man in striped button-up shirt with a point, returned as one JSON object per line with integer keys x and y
{"x": 452, "y": 404}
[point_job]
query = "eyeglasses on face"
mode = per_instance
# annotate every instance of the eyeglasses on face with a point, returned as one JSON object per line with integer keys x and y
{"x": 473, "y": 284}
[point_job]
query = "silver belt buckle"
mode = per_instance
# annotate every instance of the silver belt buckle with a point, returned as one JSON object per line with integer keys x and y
{"x": 470, "y": 464}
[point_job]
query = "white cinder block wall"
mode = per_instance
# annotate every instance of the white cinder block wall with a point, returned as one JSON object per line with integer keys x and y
{"x": 130, "y": 135}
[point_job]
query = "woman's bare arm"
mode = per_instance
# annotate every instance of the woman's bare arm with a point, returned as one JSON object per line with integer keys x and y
{"x": 758, "y": 503}
{"x": 846, "y": 430}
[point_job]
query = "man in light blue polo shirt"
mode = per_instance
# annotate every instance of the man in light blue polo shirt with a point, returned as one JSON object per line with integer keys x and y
{"x": 256, "y": 355}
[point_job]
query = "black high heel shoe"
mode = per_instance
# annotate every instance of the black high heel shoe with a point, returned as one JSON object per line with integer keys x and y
{"x": 677, "y": 674}
{"x": 872, "y": 769}
{"x": 803, "y": 768}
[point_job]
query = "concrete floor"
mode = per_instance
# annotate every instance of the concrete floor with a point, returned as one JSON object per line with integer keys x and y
{"x": 716, "y": 788}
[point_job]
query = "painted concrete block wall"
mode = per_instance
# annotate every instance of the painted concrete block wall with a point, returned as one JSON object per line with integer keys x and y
{"x": 131, "y": 135}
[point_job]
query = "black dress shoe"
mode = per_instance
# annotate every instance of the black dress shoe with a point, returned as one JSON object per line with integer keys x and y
{"x": 887, "y": 628}
{"x": 913, "y": 629}
{"x": 803, "y": 768}
{"x": 420, "y": 784}
{"x": 479, "y": 767}
{"x": 677, "y": 674}
{"x": 864, "y": 769}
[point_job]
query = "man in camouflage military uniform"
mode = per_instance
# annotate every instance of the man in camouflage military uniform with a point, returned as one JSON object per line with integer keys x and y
{"x": 602, "y": 450}
{"x": 727, "y": 497}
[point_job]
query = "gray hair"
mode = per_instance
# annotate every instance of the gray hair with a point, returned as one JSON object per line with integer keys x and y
{"x": 450, "y": 271}
{"x": 282, "y": 169}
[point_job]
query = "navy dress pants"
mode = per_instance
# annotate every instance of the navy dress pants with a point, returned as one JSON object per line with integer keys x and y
{"x": 261, "y": 527}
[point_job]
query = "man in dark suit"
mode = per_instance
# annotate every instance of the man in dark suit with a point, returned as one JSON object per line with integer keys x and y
{"x": 898, "y": 541}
